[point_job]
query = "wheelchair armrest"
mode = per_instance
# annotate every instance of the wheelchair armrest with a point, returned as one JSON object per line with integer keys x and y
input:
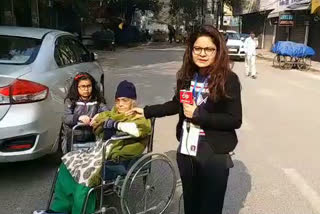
{"x": 121, "y": 136}
{"x": 79, "y": 125}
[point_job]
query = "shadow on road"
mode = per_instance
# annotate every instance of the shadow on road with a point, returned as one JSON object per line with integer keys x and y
{"x": 33, "y": 170}
{"x": 239, "y": 186}
{"x": 24, "y": 186}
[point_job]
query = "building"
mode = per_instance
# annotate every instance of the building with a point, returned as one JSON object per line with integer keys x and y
{"x": 282, "y": 20}
{"x": 314, "y": 40}
{"x": 57, "y": 14}
{"x": 292, "y": 20}
{"x": 253, "y": 15}
{"x": 19, "y": 12}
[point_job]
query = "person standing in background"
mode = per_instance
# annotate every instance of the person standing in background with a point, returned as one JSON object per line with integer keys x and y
{"x": 172, "y": 32}
{"x": 250, "y": 46}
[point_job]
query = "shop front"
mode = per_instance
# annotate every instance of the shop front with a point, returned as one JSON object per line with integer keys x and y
{"x": 314, "y": 40}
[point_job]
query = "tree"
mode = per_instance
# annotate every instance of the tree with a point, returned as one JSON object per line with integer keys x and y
{"x": 185, "y": 11}
{"x": 240, "y": 6}
{"x": 126, "y": 8}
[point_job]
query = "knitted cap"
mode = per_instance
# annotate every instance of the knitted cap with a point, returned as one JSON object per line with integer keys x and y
{"x": 126, "y": 89}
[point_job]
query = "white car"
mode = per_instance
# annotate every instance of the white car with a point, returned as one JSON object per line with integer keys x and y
{"x": 36, "y": 65}
{"x": 235, "y": 44}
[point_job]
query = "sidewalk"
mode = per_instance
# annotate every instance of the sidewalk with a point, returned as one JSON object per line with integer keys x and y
{"x": 268, "y": 55}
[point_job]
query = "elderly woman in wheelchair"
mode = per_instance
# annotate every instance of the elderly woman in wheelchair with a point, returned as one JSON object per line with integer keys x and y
{"x": 85, "y": 170}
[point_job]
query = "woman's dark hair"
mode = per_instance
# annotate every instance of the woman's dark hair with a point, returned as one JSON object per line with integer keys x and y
{"x": 218, "y": 71}
{"x": 73, "y": 94}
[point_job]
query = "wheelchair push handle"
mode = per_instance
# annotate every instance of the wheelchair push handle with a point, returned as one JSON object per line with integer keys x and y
{"x": 74, "y": 128}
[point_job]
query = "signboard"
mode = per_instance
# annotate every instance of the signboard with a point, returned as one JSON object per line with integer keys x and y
{"x": 286, "y": 19}
{"x": 231, "y": 21}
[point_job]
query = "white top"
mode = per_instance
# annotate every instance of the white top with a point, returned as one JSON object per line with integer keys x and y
{"x": 250, "y": 46}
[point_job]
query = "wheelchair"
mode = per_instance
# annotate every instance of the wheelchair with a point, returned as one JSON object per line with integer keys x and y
{"x": 144, "y": 185}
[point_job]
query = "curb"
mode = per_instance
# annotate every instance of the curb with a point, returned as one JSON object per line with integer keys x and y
{"x": 271, "y": 59}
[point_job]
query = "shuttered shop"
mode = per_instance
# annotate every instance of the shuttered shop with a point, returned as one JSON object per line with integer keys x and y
{"x": 297, "y": 33}
{"x": 268, "y": 35}
{"x": 282, "y": 33}
{"x": 314, "y": 37}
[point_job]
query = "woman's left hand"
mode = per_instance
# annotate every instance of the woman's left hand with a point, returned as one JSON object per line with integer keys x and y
{"x": 189, "y": 109}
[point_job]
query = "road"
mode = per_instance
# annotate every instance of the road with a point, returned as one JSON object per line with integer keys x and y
{"x": 276, "y": 162}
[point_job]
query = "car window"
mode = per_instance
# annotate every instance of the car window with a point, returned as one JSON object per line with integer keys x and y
{"x": 81, "y": 53}
{"x": 63, "y": 53}
{"x": 18, "y": 50}
{"x": 234, "y": 36}
{"x": 70, "y": 51}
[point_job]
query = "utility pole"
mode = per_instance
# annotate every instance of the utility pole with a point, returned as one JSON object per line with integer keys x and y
{"x": 221, "y": 13}
{"x": 216, "y": 12}
{"x": 202, "y": 13}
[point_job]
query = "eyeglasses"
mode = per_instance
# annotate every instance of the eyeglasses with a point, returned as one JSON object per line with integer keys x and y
{"x": 207, "y": 51}
{"x": 83, "y": 87}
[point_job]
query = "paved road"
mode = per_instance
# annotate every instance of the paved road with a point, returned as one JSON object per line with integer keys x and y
{"x": 276, "y": 163}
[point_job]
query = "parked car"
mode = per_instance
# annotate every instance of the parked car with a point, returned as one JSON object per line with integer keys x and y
{"x": 98, "y": 36}
{"x": 181, "y": 36}
{"x": 159, "y": 36}
{"x": 244, "y": 36}
{"x": 104, "y": 39}
{"x": 234, "y": 44}
{"x": 36, "y": 65}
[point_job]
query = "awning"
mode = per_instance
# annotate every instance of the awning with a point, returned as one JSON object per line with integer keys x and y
{"x": 303, "y": 6}
{"x": 298, "y": 6}
{"x": 273, "y": 14}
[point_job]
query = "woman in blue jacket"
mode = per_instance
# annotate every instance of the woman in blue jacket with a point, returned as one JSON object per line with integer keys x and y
{"x": 206, "y": 128}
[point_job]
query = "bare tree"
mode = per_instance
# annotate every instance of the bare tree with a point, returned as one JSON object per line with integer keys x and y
{"x": 126, "y": 8}
{"x": 240, "y": 6}
{"x": 187, "y": 11}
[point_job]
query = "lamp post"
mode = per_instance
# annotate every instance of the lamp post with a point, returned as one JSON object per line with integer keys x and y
{"x": 216, "y": 13}
{"x": 221, "y": 13}
{"x": 202, "y": 13}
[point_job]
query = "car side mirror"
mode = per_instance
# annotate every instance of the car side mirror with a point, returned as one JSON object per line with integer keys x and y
{"x": 94, "y": 56}
{"x": 242, "y": 38}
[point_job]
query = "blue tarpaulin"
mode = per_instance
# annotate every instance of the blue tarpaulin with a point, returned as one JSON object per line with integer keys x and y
{"x": 287, "y": 48}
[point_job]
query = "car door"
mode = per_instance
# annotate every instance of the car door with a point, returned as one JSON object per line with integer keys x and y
{"x": 71, "y": 58}
{"x": 66, "y": 60}
{"x": 86, "y": 62}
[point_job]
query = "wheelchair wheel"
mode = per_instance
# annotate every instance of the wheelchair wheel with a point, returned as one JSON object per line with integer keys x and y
{"x": 149, "y": 186}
